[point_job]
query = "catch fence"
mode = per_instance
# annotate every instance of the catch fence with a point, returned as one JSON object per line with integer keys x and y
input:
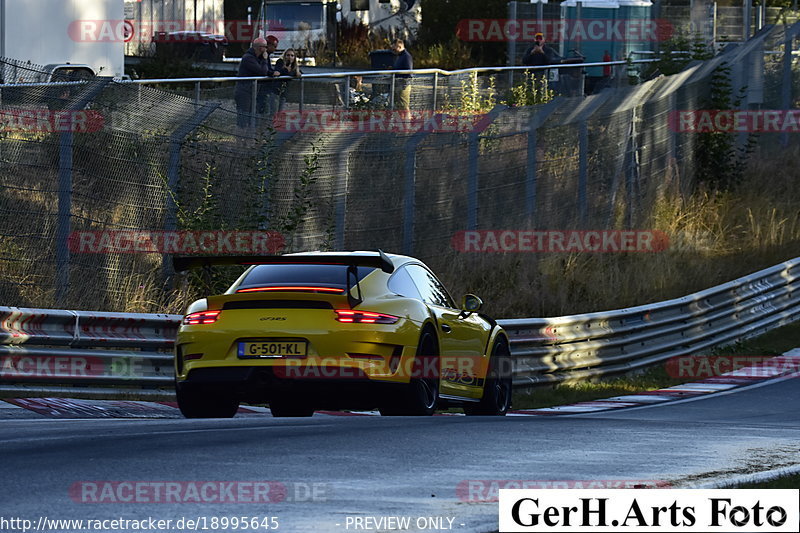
{"x": 104, "y": 155}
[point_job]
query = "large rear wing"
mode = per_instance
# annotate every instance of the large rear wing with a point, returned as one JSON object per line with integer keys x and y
{"x": 368, "y": 259}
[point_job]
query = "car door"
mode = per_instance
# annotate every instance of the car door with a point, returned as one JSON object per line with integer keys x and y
{"x": 462, "y": 339}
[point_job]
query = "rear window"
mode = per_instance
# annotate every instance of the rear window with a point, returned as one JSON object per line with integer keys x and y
{"x": 301, "y": 275}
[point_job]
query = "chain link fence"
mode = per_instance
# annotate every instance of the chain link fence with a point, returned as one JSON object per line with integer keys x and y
{"x": 101, "y": 155}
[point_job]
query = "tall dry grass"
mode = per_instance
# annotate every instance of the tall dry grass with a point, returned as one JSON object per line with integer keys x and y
{"x": 714, "y": 238}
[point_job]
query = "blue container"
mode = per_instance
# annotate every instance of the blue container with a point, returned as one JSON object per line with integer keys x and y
{"x": 599, "y": 29}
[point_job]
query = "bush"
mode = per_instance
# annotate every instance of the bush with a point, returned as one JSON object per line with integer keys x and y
{"x": 438, "y": 32}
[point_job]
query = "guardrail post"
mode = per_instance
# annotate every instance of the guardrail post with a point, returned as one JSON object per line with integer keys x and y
{"x": 64, "y": 220}
{"x": 346, "y": 91}
{"x": 197, "y": 93}
{"x": 173, "y": 173}
{"x": 472, "y": 172}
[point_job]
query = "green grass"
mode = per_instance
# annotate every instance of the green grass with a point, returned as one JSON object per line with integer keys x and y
{"x": 775, "y": 342}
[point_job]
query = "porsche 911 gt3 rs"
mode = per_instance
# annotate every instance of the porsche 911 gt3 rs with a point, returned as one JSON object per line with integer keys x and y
{"x": 338, "y": 330}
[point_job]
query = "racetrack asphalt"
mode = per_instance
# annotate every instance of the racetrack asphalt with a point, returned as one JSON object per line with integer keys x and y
{"x": 331, "y": 470}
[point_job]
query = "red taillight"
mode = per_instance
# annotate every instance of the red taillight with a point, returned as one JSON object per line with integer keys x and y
{"x": 364, "y": 317}
{"x": 314, "y": 289}
{"x": 202, "y": 317}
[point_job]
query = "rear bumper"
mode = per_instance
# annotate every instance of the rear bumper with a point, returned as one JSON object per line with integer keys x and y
{"x": 377, "y": 352}
{"x": 255, "y": 384}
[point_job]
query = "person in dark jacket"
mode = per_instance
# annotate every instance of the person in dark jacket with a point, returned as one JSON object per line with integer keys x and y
{"x": 402, "y": 82}
{"x": 287, "y": 65}
{"x": 540, "y": 54}
{"x": 269, "y": 91}
{"x": 255, "y": 62}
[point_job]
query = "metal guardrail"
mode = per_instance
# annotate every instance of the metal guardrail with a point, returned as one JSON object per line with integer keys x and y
{"x": 344, "y": 77}
{"x": 84, "y": 353}
{"x": 383, "y": 77}
{"x": 552, "y": 350}
{"x": 105, "y": 355}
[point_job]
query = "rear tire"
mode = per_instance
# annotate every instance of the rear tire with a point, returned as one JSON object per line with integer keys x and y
{"x": 497, "y": 389}
{"x": 420, "y": 396}
{"x": 196, "y": 403}
{"x": 290, "y": 407}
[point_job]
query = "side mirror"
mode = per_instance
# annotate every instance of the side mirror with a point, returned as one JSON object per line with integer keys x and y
{"x": 471, "y": 304}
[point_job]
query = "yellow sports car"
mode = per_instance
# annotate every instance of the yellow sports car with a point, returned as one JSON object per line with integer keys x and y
{"x": 338, "y": 330}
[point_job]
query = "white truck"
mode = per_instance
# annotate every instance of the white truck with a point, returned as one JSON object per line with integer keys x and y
{"x": 68, "y": 37}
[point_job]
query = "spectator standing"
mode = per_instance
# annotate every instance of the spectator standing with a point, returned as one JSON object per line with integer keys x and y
{"x": 254, "y": 63}
{"x": 540, "y": 54}
{"x": 402, "y": 82}
{"x": 269, "y": 91}
{"x": 287, "y": 65}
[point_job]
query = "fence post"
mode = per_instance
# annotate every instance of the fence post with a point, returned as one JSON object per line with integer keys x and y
{"x": 435, "y": 90}
{"x": 675, "y": 149}
{"x": 391, "y": 92}
{"x": 786, "y": 84}
{"x": 632, "y": 173}
{"x": 583, "y": 168}
{"x": 343, "y": 171}
{"x": 64, "y": 219}
{"x": 742, "y": 83}
{"x": 302, "y": 93}
{"x": 536, "y": 121}
{"x": 586, "y": 108}
{"x": 64, "y": 212}
{"x": 253, "y": 104}
{"x": 512, "y": 43}
{"x": 747, "y": 9}
{"x": 410, "y": 188}
{"x": 472, "y": 172}
{"x": 173, "y": 173}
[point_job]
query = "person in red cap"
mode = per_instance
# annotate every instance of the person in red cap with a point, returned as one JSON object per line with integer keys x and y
{"x": 540, "y": 54}
{"x": 255, "y": 62}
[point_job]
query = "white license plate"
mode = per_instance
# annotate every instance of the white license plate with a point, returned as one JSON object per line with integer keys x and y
{"x": 269, "y": 349}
